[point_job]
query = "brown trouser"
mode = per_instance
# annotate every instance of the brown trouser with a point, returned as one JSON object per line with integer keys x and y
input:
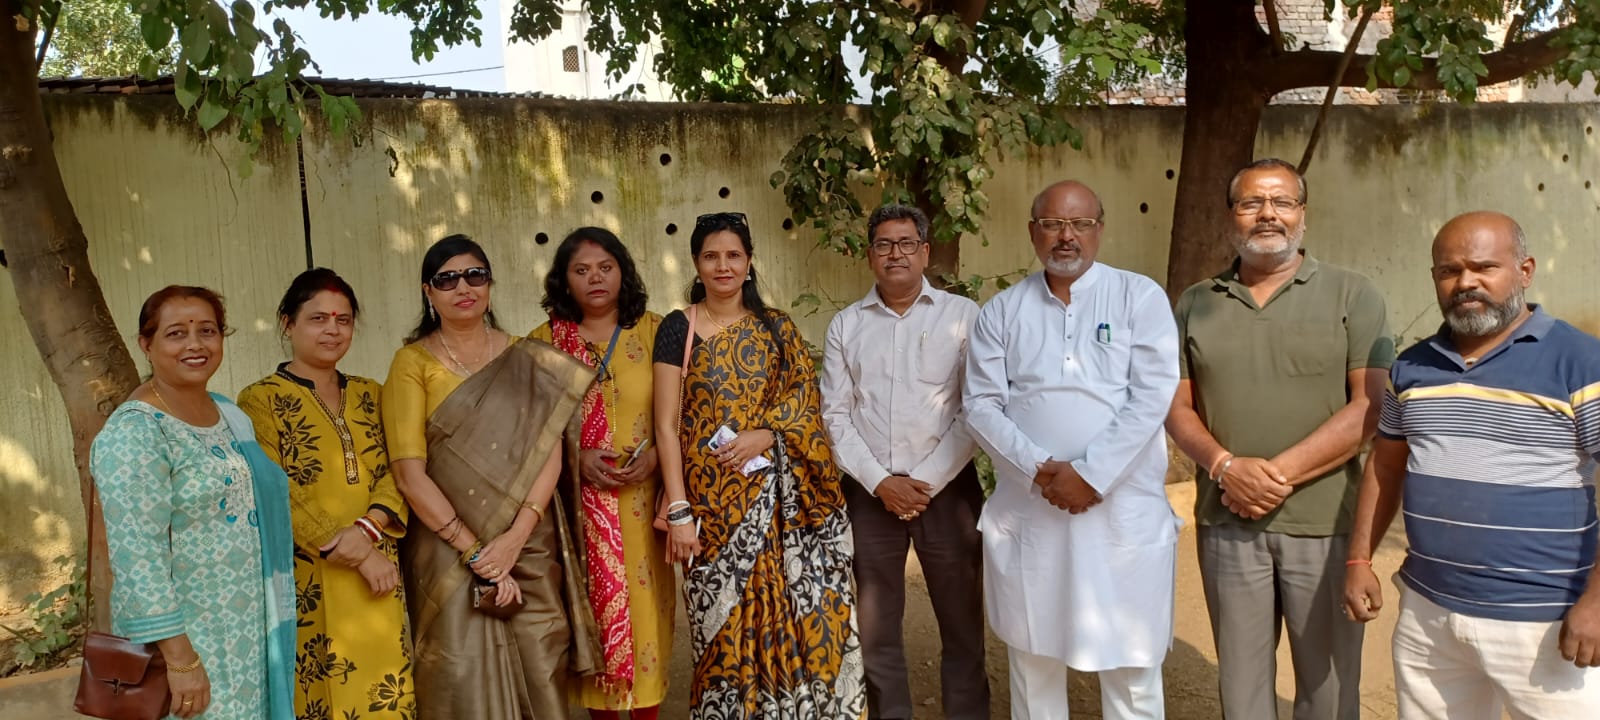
{"x": 951, "y": 554}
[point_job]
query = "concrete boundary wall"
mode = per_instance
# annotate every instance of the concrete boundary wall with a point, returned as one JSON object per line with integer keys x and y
{"x": 161, "y": 203}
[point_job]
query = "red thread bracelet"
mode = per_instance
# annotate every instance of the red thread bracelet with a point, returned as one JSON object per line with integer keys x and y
{"x": 1348, "y": 563}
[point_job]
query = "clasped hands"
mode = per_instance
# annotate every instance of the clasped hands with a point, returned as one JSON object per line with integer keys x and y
{"x": 1064, "y": 488}
{"x": 904, "y": 495}
{"x": 596, "y": 467}
{"x": 1252, "y": 487}
{"x": 351, "y": 548}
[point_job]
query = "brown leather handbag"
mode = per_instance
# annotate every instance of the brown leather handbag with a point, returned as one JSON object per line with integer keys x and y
{"x": 121, "y": 680}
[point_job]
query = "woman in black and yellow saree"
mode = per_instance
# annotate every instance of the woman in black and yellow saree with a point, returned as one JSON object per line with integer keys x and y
{"x": 752, "y": 499}
{"x": 474, "y": 421}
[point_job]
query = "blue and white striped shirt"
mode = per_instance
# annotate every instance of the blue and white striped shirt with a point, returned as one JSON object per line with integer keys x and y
{"x": 1499, "y": 491}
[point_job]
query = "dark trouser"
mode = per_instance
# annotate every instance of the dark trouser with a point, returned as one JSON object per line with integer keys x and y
{"x": 1257, "y": 583}
{"x": 951, "y": 554}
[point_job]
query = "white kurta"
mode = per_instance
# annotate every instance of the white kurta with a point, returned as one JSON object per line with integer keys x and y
{"x": 1089, "y": 383}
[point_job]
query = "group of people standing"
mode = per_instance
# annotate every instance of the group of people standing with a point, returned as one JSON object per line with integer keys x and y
{"x": 492, "y": 531}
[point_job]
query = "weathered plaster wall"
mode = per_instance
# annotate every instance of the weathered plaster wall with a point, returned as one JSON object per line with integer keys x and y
{"x": 162, "y": 204}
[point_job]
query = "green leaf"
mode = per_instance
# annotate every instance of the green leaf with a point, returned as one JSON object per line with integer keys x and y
{"x": 196, "y": 41}
{"x": 1103, "y": 66}
{"x": 1402, "y": 76}
{"x": 211, "y": 114}
{"x": 187, "y": 87}
{"x": 1042, "y": 21}
{"x": 156, "y": 31}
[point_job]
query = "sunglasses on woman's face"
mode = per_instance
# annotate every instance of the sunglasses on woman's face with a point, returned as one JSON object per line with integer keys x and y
{"x": 449, "y": 279}
{"x": 728, "y": 219}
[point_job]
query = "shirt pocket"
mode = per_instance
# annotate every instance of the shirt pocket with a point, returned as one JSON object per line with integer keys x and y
{"x": 1304, "y": 349}
{"x": 939, "y": 358}
{"x": 1110, "y": 359}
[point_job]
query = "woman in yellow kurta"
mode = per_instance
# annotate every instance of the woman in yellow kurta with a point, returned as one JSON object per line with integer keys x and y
{"x": 324, "y": 428}
{"x": 596, "y": 303}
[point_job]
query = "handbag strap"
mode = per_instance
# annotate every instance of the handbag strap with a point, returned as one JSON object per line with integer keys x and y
{"x": 683, "y": 371}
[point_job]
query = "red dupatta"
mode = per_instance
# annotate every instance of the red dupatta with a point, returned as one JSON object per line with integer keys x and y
{"x": 602, "y": 535}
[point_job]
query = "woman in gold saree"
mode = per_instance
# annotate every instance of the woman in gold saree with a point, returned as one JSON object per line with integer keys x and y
{"x": 771, "y": 610}
{"x": 474, "y": 424}
{"x": 596, "y": 302}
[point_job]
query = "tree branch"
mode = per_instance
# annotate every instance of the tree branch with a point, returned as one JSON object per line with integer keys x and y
{"x": 1312, "y": 68}
{"x": 1273, "y": 28}
{"x": 1333, "y": 89}
{"x": 49, "y": 32}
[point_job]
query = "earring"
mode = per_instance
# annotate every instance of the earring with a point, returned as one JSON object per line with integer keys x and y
{"x": 697, "y": 279}
{"x": 431, "y": 317}
{"x": 749, "y": 276}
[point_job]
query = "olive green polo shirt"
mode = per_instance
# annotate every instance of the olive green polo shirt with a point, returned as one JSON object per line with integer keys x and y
{"x": 1266, "y": 377}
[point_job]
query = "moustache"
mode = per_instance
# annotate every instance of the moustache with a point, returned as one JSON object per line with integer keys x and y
{"x": 1466, "y": 295}
{"x": 1269, "y": 227}
{"x": 1066, "y": 246}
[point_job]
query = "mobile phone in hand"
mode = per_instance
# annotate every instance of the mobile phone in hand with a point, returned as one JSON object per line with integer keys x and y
{"x": 637, "y": 452}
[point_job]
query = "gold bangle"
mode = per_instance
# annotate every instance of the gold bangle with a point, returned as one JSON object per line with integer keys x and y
{"x": 466, "y": 555}
{"x": 536, "y": 511}
{"x": 191, "y": 667}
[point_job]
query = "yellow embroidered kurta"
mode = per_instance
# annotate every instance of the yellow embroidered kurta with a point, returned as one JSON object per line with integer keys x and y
{"x": 354, "y": 656}
{"x": 651, "y": 584}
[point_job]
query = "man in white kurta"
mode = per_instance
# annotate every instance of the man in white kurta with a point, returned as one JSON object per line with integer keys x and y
{"x": 1070, "y": 375}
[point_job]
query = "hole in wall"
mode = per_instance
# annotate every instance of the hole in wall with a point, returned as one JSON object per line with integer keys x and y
{"x": 1170, "y": 174}
{"x": 1563, "y": 157}
{"x": 788, "y": 223}
{"x": 1586, "y": 185}
{"x": 1589, "y": 130}
{"x": 724, "y": 192}
{"x": 666, "y": 159}
{"x": 672, "y": 228}
{"x": 541, "y": 239}
{"x": 1144, "y": 208}
{"x": 1541, "y": 187}
{"x": 597, "y": 197}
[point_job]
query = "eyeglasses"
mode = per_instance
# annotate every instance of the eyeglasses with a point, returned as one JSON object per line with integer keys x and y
{"x": 728, "y": 219}
{"x": 1056, "y": 225}
{"x": 1253, "y": 205}
{"x": 449, "y": 279}
{"x": 907, "y": 246}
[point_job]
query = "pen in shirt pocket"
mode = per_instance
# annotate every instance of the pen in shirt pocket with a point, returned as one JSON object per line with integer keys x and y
{"x": 1103, "y": 333}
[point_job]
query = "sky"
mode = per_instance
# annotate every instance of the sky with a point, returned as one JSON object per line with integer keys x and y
{"x": 378, "y": 47}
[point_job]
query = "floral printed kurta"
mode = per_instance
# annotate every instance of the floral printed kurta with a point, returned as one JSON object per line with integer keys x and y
{"x": 180, "y": 520}
{"x": 354, "y": 655}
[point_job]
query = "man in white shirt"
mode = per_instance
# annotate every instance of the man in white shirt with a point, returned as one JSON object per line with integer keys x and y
{"x": 891, "y": 398}
{"x": 1069, "y": 376}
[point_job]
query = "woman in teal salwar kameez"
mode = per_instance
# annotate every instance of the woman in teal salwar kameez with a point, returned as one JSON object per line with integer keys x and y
{"x": 197, "y": 520}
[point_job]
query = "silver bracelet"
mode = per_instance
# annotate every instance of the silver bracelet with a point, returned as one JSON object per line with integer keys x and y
{"x": 1217, "y": 478}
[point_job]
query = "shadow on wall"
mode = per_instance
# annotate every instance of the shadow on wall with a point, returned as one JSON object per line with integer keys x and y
{"x": 37, "y": 531}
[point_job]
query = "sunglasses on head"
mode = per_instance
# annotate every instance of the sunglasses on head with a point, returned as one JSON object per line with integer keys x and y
{"x": 449, "y": 279}
{"x": 728, "y": 219}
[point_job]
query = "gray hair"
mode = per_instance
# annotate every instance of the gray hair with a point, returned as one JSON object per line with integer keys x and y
{"x": 895, "y": 211}
{"x": 1268, "y": 164}
{"x": 1519, "y": 242}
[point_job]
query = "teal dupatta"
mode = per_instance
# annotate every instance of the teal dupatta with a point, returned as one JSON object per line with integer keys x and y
{"x": 277, "y": 559}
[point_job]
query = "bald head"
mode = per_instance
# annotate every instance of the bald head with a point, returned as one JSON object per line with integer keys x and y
{"x": 1492, "y": 226}
{"x": 1064, "y": 190}
{"x": 1481, "y": 270}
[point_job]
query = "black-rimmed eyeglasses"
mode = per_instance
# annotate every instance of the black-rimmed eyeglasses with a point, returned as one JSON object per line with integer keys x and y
{"x": 449, "y": 279}
{"x": 906, "y": 246}
{"x": 726, "y": 219}
{"x": 1253, "y": 205}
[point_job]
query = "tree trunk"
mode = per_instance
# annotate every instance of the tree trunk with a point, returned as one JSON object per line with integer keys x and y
{"x": 48, "y": 260}
{"x": 944, "y": 258}
{"x": 1225, "y": 97}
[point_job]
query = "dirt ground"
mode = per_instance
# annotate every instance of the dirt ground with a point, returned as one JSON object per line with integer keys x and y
{"x": 1191, "y": 667}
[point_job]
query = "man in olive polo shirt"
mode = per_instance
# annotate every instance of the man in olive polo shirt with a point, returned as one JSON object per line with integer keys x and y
{"x": 1283, "y": 361}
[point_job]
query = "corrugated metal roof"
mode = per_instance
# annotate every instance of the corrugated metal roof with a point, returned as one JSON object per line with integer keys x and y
{"x": 134, "y": 85}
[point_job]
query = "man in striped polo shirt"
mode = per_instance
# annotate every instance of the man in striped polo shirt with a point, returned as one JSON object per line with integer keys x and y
{"x": 1490, "y": 430}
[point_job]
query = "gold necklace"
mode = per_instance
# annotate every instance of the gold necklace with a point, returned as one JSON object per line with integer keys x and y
{"x": 713, "y": 318}
{"x": 160, "y": 399}
{"x": 487, "y": 345}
